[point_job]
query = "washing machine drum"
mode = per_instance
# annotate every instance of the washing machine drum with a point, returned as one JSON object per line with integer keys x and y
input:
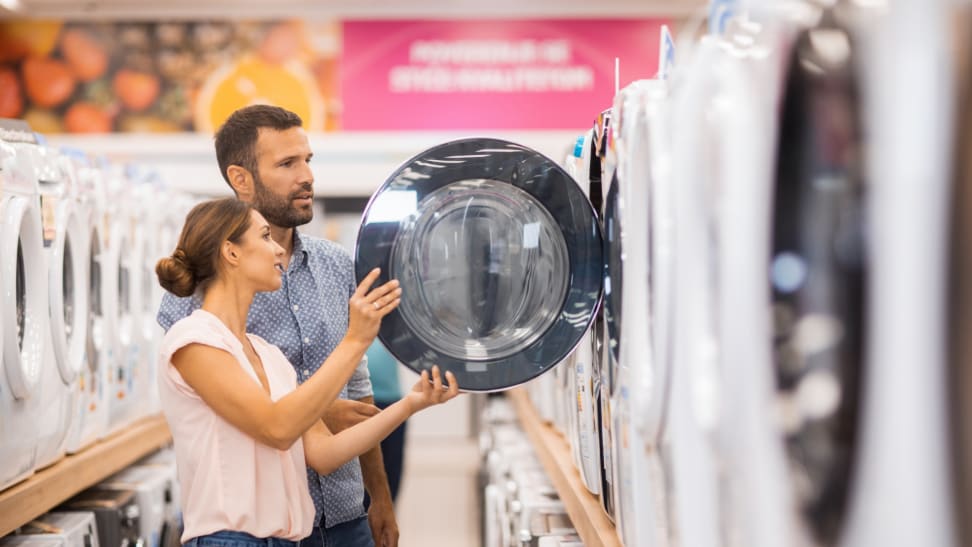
{"x": 498, "y": 253}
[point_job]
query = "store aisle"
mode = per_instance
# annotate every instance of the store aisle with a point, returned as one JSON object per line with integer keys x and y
{"x": 437, "y": 506}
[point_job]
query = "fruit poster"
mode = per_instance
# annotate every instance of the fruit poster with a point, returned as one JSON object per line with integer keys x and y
{"x": 166, "y": 76}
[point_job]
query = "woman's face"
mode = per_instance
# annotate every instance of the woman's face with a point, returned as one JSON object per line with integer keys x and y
{"x": 261, "y": 259}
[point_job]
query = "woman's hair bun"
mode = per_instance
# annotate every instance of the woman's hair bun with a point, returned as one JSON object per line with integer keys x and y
{"x": 175, "y": 274}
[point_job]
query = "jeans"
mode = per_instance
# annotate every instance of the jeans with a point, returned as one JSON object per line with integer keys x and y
{"x": 354, "y": 533}
{"x": 226, "y": 538}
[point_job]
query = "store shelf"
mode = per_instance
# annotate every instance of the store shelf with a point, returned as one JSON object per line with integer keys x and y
{"x": 585, "y": 510}
{"x": 48, "y": 488}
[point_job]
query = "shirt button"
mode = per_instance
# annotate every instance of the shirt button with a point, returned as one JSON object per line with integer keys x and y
{"x": 296, "y": 307}
{"x": 307, "y": 340}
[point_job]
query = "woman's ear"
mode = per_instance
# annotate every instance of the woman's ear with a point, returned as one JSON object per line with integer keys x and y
{"x": 230, "y": 253}
{"x": 241, "y": 180}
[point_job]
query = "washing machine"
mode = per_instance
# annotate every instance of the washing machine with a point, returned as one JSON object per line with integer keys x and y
{"x": 696, "y": 418}
{"x": 145, "y": 195}
{"x": 125, "y": 256}
{"x": 152, "y": 486}
{"x": 116, "y": 515}
{"x": 755, "y": 457}
{"x": 76, "y": 528}
{"x": 498, "y": 253}
{"x": 24, "y": 310}
{"x": 640, "y": 484}
{"x": 902, "y": 489}
{"x": 65, "y": 248}
{"x": 90, "y": 421}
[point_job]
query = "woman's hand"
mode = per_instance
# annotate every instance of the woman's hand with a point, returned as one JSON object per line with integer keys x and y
{"x": 425, "y": 393}
{"x": 366, "y": 309}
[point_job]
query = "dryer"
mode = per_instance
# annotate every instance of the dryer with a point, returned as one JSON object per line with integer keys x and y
{"x": 91, "y": 412}
{"x": 24, "y": 306}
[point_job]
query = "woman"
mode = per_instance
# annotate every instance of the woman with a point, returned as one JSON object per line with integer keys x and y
{"x": 243, "y": 429}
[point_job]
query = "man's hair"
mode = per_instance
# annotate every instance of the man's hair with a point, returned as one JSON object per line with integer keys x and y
{"x": 236, "y": 139}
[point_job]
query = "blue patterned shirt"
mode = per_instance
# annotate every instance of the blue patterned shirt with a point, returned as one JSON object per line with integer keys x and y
{"x": 307, "y": 318}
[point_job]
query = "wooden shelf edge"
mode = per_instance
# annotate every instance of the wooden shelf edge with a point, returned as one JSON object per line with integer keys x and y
{"x": 46, "y": 489}
{"x": 586, "y": 514}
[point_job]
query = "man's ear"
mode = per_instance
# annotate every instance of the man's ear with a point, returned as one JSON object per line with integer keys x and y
{"x": 241, "y": 180}
{"x": 230, "y": 253}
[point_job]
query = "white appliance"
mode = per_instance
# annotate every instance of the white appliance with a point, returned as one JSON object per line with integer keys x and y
{"x": 163, "y": 462}
{"x": 144, "y": 196}
{"x": 23, "y": 310}
{"x": 903, "y": 490}
{"x": 765, "y": 515}
{"x": 116, "y": 515}
{"x": 150, "y": 484}
{"x": 65, "y": 253}
{"x": 76, "y": 529}
{"x": 639, "y": 401}
{"x": 91, "y": 412}
{"x": 696, "y": 414}
{"x": 125, "y": 252}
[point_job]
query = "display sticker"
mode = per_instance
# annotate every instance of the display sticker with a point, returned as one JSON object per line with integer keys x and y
{"x": 666, "y": 54}
{"x": 49, "y": 218}
{"x": 720, "y": 11}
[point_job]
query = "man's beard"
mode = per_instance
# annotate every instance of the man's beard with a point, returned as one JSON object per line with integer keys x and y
{"x": 280, "y": 211}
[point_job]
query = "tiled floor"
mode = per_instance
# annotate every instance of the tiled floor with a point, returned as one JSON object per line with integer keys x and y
{"x": 437, "y": 504}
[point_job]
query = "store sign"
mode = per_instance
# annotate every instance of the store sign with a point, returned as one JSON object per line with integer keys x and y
{"x": 539, "y": 74}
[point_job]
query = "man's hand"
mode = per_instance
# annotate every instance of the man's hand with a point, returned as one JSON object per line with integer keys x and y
{"x": 345, "y": 413}
{"x": 384, "y": 528}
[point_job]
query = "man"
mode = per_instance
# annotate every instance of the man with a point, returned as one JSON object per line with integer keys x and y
{"x": 264, "y": 155}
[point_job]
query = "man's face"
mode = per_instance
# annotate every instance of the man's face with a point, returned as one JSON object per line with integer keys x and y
{"x": 283, "y": 183}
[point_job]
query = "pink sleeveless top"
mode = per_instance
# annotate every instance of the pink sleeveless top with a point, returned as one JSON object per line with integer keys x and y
{"x": 229, "y": 481}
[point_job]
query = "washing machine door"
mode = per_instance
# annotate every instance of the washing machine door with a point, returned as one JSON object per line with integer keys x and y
{"x": 24, "y": 298}
{"x": 67, "y": 286}
{"x": 817, "y": 277}
{"x": 498, "y": 253}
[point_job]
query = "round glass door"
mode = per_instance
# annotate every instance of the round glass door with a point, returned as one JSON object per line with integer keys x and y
{"x": 817, "y": 275}
{"x": 498, "y": 254}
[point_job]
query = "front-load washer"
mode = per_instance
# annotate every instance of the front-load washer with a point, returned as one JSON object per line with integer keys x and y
{"x": 641, "y": 510}
{"x": 498, "y": 253}
{"x": 696, "y": 419}
{"x": 91, "y": 413}
{"x": 116, "y": 515}
{"x": 755, "y": 452}
{"x": 819, "y": 273}
{"x": 64, "y": 248}
{"x": 902, "y": 492}
{"x": 144, "y": 196}
{"x": 151, "y": 485}
{"x": 76, "y": 528}
{"x": 24, "y": 306}
{"x": 125, "y": 266}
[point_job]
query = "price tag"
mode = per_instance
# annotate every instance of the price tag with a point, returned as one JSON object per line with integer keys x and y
{"x": 49, "y": 217}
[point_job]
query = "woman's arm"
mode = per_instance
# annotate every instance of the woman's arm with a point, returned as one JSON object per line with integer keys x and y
{"x": 325, "y": 452}
{"x": 218, "y": 379}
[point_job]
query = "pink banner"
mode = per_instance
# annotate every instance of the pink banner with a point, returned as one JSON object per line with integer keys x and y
{"x": 488, "y": 74}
